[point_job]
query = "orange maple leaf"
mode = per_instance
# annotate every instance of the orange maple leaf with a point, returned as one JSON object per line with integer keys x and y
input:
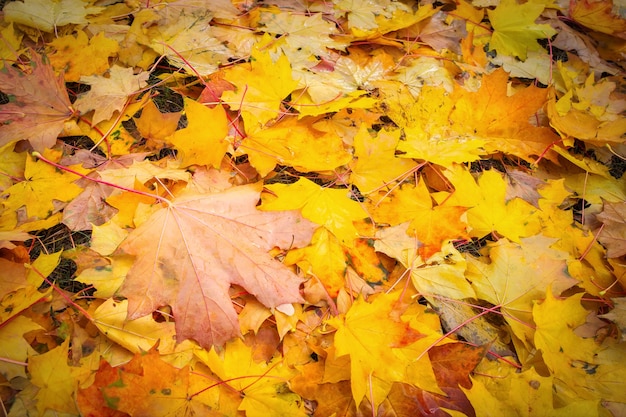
{"x": 502, "y": 119}
{"x": 189, "y": 253}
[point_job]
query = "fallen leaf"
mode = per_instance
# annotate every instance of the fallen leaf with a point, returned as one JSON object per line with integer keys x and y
{"x": 40, "y": 105}
{"x": 55, "y": 378}
{"x": 329, "y": 207}
{"x": 526, "y": 393}
{"x": 149, "y": 386}
{"x": 45, "y": 181}
{"x": 613, "y": 235}
{"x": 48, "y": 15}
{"x": 368, "y": 334}
{"x": 203, "y": 141}
{"x": 375, "y": 164}
{"x": 518, "y": 274}
{"x": 515, "y": 31}
{"x": 263, "y": 386}
{"x": 78, "y": 55}
{"x": 190, "y": 252}
{"x": 109, "y": 94}
{"x": 261, "y": 86}
{"x": 598, "y": 16}
{"x": 502, "y": 120}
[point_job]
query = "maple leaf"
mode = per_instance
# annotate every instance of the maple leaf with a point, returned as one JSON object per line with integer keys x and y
{"x": 148, "y": 386}
{"x": 526, "y": 393}
{"x": 79, "y": 56}
{"x": 154, "y": 125}
{"x": 570, "y": 358}
{"x": 517, "y": 275}
{"x": 440, "y": 34}
{"x": 590, "y": 112}
{"x": 45, "y": 181}
{"x": 613, "y": 236}
{"x": 262, "y": 385}
{"x": 261, "y": 86}
{"x": 13, "y": 345}
{"x": 190, "y": 252}
{"x": 329, "y": 207}
{"x": 109, "y": 94}
{"x": 55, "y": 378}
{"x": 488, "y": 209}
{"x": 203, "y": 141}
{"x": 452, "y": 364}
{"x": 375, "y": 164}
{"x": 302, "y": 36}
{"x": 12, "y": 42}
{"x": 323, "y": 259}
{"x": 515, "y": 31}
{"x": 503, "y": 120}
{"x": 426, "y": 123}
{"x": 39, "y": 105}
{"x": 48, "y": 15}
{"x": 184, "y": 35}
{"x": 598, "y": 16}
{"x": 369, "y": 336}
{"x": 295, "y": 143}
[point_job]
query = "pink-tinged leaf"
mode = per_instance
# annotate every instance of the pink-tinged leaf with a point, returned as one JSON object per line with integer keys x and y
{"x": 189, "y": 254}
{"x": 39, "y": 105}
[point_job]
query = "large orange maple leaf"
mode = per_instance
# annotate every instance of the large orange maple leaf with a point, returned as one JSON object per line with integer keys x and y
{"x": 190, "y": 252}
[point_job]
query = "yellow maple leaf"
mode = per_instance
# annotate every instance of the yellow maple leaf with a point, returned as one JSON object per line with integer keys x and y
{"x": 489, "y": 211}
{"x": 48, "y": 15}
{"x": 370, "y": 336}
{"x": 599, "y": 16}
{"x": 557, "y": 223}
{"x": 515, "y": 31}
{"x": 426, "y": 123}
{"x": 109, "y": 94}
{"x": 56, "y": 380}
{"x": 44, "y": 181}
{"x": 10, "y": 46}
{"x": 138, "y": 335}
{"x": 14, "y": 347}
{"x": 20, "y": 288}
{"x": 526, "y": 393}
{"x": 296, "y": 143}
{"x": 323, "y": 259}
{"x": 500, "y": 119}
{"x": 517, "y": 275}
{"x": 570, "y": 358}
{"x": 591, "y": 112}
{"x": 261, "y": 86}
{"x": 262, "y": 385}
{"x": 78, "y": 56}
{"x": 375, "y": 164}
{"x": 203, "y": 141}
{"x": 329, "y": 207}
{"x": 155, "y": 126}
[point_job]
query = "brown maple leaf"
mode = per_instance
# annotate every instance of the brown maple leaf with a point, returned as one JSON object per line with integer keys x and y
{"x": 189, "y": 253}
{"x": 39, "y": 105}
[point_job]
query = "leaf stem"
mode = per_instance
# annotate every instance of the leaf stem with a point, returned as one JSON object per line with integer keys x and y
{"x": 100, "y": 181}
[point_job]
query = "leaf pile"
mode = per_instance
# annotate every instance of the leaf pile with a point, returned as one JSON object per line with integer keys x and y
{"x": 348, "y": 208}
